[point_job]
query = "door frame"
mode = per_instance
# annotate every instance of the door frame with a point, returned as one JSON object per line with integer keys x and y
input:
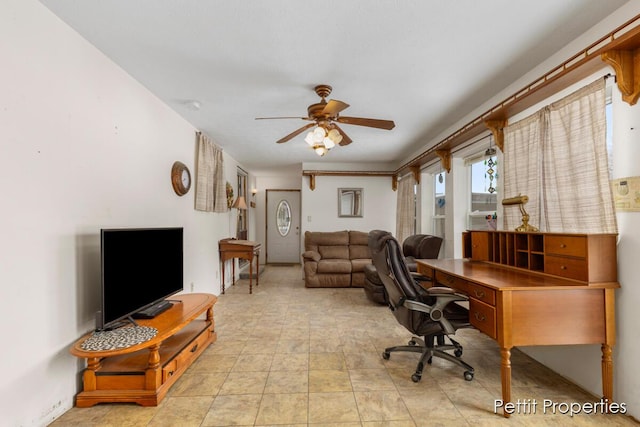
{"x": 266, "y": 223}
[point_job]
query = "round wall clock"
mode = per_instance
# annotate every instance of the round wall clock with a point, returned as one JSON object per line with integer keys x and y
{"x": 180, "y": 178}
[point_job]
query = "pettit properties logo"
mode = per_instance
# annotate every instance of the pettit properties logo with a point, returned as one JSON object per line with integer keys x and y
{"x": 548, "y": 406}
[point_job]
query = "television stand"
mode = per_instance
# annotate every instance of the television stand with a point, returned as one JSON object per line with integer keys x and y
{"x": 153, "y": 310}
{"x": 144, "y": 372}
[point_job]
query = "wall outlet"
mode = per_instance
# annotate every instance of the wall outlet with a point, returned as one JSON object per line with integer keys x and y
{"x": 309, "y": 218}
{"x": 192, "y": 287}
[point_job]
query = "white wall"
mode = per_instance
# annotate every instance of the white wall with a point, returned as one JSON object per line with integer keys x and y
{"x": 321, "y": 204}
{"x": 83, "y": 146}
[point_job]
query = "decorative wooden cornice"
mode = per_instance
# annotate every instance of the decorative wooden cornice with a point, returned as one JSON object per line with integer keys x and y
{"x": 394, "y": 182}
{"x": 445, "y": 159}
{"x": 626, "y": 64}
{"x": 313, "y": 173}
{"x": 497, "y": 128}
{"x": 415, "y": 170}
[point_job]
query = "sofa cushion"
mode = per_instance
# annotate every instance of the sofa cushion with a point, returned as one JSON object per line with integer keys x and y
{"x": 358, "y": 238}
{"x": 359, "y": 252}
{"x": 313, "y": 239}
{"x": 334, "y": 252}
{"x": 339, "y": 266}
{"x": 358, "y": 265}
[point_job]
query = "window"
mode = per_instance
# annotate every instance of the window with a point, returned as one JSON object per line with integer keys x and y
{"x": 483, "y": 172}
{"x": 439, "y": 181}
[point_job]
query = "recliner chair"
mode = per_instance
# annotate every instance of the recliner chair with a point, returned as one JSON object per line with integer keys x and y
{"x": 431, "y": 314}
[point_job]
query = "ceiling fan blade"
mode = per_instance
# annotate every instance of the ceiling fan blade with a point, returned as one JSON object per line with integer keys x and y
{"x": 372, "y": 123}
{"x": 333, "y": 107}
{"x": 272, "y": 118}
{"x": 345, "y": 138}
{"x": 295, "y": 133}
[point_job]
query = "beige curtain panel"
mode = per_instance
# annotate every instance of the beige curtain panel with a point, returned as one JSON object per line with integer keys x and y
{"x": 210, "y": 185}
{"x": 406, "y": 208}
{"x": 558, "y": 157}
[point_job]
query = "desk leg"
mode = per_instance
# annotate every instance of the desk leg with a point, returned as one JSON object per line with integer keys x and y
{"x": 250, "y": 275}
{"x": 223, "y": 276}
{"x": 607, "y": 372}
{"x": 233, "y": 271}
{"x": 505, "y": 372}
{"x": 257, "y": 268}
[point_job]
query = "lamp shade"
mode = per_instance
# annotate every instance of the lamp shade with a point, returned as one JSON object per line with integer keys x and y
{"x": 240, "y": 203}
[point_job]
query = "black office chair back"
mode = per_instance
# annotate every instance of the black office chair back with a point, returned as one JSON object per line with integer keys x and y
{"x": 397, "y": 280}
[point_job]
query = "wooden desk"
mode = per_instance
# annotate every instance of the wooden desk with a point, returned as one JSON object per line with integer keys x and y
{"x": 517, "y": 307}
{"x": 242, "y": 249}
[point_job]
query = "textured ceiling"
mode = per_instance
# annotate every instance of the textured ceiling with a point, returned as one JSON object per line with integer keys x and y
{"x": 422, "y": 63}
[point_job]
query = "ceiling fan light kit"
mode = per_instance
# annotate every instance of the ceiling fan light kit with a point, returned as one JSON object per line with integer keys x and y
{"x": 325, "y": 115}
{"x": 322, "y": 141}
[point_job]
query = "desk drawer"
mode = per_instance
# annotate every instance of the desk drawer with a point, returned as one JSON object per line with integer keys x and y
{"x": 452, "y": 282}
{"x": 169, "y": 369}
{"x": 483, "y": 317}
{"x": 482, "y": 293}
{"x": 571, "y": 268}
{"x": 187, "y": 355}
{"x": 566, "y": 245}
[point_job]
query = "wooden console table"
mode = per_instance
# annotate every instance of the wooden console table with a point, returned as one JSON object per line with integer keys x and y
{"x": 537, "y": 289}
{"x": 242, "y": 249}
{"x": 143, "y": 373}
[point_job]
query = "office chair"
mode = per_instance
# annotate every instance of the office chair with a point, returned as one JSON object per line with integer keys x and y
{"x": 428, "y": 313}
{"x": 416, "y": 246}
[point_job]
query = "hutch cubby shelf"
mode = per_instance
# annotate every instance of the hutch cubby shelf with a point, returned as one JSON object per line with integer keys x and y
{"x": 581, "y": 257}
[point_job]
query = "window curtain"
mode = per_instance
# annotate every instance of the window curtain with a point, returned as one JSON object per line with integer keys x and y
{"x": 211, "y": 195}
{"x": 522, "y": 169}
{"x": 558, "y": 157}
{"x": 406, "y": 208}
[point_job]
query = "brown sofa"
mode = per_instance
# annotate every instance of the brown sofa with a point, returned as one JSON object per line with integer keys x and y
{"x": 335, "y": 259}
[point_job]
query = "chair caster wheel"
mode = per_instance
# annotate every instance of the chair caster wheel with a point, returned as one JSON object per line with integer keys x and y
{"x": 416, "y": 378}
{"x": 386, "y": 355}
{"x": 458, "y": 352}
{"x": 430, "y": 360}
{"x": 468, "y": 375}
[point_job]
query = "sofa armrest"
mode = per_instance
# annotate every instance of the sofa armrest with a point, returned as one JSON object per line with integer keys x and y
{"x": 311, "y": 256}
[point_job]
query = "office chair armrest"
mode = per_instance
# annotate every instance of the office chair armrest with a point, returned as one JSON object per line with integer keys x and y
{"x": 436, "y": 311}
{"x": 439, "y": 290}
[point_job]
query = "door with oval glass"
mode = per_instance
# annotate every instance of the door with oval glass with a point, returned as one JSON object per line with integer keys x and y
{"x": 283, "y": 227}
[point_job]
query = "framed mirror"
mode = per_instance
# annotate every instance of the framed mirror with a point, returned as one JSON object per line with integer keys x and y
{"x": 350, "y": 202}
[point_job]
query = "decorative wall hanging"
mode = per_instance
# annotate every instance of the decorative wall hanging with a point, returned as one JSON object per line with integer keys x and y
{"x": 229, "y": 195}
{"x": 490, "y": 162}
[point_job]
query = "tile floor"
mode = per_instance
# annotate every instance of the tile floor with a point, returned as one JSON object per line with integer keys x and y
{"x": 288, "y": 355}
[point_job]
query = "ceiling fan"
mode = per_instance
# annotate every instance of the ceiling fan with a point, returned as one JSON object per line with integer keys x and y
{"x": 326, "y": 116}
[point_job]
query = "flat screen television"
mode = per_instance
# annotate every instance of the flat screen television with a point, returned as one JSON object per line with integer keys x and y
{"x": 140, "y": 267}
